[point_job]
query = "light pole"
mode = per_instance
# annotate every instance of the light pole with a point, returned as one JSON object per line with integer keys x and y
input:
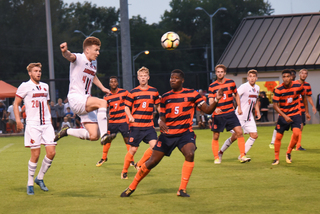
{"x": 133, "y": 69}
{"x": 96, "y": 31}
{"x": 115, "y": 30}
{"x": 227, "y": 33}
{"x": 211, "y": 31}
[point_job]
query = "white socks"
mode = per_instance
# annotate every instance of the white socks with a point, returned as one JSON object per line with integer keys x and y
{"x": 249, "y": 144}
{"x": 102, "y": 121}
{"x": 79, "y": 133}
{"x": 31, "y": 170}
{"x": 226, "y": 145}
{"x": 46, "y": 163}
{"x": 273, "y": 136}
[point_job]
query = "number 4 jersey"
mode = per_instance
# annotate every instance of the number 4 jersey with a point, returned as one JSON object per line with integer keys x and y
{"x": 35, "y": 99}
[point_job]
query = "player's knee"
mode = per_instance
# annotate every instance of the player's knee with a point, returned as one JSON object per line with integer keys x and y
{"x": 102, "y": 103}
{"x": 254, "y": 136}
{"x": 51, "y": 154}
{"x": 189, "y": 156}
{"x": 94, "y": 137}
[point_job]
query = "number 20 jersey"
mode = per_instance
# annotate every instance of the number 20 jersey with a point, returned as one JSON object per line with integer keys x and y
{"x": 35, "y": 99}
{"x": 82, "y": 72}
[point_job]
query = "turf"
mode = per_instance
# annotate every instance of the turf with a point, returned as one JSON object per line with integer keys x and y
{"x": 76, "y": 185}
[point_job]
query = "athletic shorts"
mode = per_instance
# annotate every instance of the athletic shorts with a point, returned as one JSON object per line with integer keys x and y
{"x": 248, "y": 126}
{"x": 77, "y": 103}
{"x": 228, "y": 121}
{"x": 35, "y": 136}
{"x": 137, "y": 135}
{"x": 282, "y": 124}
{"x": 167, "y": 143}
{"x": 123, "y": 128}
{"x": 303, "y": 118}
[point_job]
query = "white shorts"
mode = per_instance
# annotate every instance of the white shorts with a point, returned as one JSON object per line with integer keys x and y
{"x": 77, "y": 104}
{"x": 248, "y": 126}
{"x": 35, "y": 136}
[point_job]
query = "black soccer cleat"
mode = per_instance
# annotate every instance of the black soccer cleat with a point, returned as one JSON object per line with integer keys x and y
{"x": 127, "y": 192}
{"x": 62, "y": 133}
{"x": 183, "y": 193}
{"x": 107, "y": 138}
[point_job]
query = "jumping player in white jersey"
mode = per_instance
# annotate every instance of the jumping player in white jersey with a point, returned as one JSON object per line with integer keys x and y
{"x": 39, "y": 129}
{"x": 82, "y": 76}
{"x": 248, "y": 93}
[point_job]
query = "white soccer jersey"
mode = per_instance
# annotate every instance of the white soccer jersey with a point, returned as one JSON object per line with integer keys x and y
{"x": 35, "y": 99}
{"x": 82, "y": 72}
{"x": 248, "y": 99}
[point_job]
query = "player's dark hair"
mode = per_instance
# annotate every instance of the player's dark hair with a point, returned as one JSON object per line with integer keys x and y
{"x": 293, "y": 71}
{"x": 91, "y": 40}
{"x": 286, "y": 71}
{"x": 178, "y": 71}
{"x": 113, "y": 77}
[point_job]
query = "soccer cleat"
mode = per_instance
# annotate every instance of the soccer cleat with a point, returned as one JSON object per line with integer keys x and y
{"x": 132, "y": 163}
{"x": 288, "y": 158}
{"x": 107, "y": 138}
{"x": 30, "y": 190}
{"x": 220, "y": 155}
{"x": 244, "y": 159}
{"x": 137, "y": 167}
{"x": 301, "y": 149}
{"x": 275, "y": 162}
{"x": 62, "y": 133}
{"x": 124, "y": 175}
{"x": 100, "y": 162}
{"x": 127, "y": 192}
{"x": 217, "y": 161}
{"x": 271, "y": 146}
{"x": 183, "y": 193}
{"x": 41, "y": 184}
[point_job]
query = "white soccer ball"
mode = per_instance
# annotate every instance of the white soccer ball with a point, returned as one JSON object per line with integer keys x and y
{"x": 170, "y": 40}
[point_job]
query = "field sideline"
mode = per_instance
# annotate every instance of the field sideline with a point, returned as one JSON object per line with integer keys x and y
{"x": 76, "y": 185}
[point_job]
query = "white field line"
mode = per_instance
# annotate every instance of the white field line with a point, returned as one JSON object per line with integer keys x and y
{"x": 7, "y": 146}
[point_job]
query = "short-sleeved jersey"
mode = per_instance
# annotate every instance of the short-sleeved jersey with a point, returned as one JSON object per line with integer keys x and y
{"x": 288, "y": 98}
{"x": 35, "y": 98}
{"x": 82, "y": 72}
{"x": 178, "y": 109}
{"x": 116, "y": 106}
{"x": 308, "y": 92}
{"x": 225, "y": 103}
{"x": 142, "y": 101}
{"x": 248, "y": 99}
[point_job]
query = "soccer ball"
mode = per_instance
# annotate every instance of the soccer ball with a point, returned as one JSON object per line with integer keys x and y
{"x": 170, "y": 40}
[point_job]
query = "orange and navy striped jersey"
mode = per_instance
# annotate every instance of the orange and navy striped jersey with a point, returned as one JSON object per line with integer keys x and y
{"x": 308, "y": 92}
{"x": 225, "y": 103}
{"x": 142, "y": 101}
{"x": 288, "y": 98}
{"x": 116, "y": 106}
{"x": 178, "y": 109}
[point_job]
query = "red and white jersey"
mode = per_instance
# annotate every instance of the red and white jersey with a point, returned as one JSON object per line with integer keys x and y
{"x": 82, "y": 72}
{"x": 248, "y": 99}
{"x": 35, "y": 99}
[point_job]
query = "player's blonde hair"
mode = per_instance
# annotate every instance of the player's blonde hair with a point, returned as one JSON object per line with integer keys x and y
{"x": 32, "y": 65}
{"x": 91, "y": 40}
{"x": 143, "y": 70}
{"x": 303, "y": 69}
{"x": 252, "y": 71}
{"x": 221, "y": 66}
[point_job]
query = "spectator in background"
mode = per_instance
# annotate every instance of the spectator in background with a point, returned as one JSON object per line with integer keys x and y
{"x": 60, "y": 113}
{"x": 65, "y": 122}
{"x": 264, "y": 103}
{"x": 66, "y": 105}
{"x": 70, "y": 116}
{"x": 53, "y": 115}
{"x": 3, "y": 117}
{"x": 12, "y": 120}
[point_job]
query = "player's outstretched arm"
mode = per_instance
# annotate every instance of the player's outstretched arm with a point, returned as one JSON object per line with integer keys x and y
{"x": 208, "y": 109}
{"x": 97, "y": 82}
{"x": 66, "y": 53}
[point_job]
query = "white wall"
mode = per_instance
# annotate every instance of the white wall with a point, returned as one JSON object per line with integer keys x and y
{"x": 313, "y": 79}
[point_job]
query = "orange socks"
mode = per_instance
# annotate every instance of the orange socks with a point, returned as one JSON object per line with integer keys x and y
{"x": 299, "y": 140}
{"x": 147, "y": 154}
{"x": 143, "y": 172}
{"x": 127, "y": 159}
{"x": 105, "y": 150}
{"x": 296, "y": 132}
{"x": 215, "y": 148}
{"x": 186, "y": 173}
{"x": 277, "y": 144}
{"x": 241, "y": 145}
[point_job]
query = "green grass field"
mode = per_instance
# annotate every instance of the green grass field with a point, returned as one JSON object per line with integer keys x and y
{"x": 76, "y": 185}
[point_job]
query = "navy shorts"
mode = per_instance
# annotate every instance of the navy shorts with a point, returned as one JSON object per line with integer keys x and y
{"x": 303, "y": 118}
{"x": 137, "y": 135}
{"x": 123, "y": 128}
{"x": 282, "y": 124}
{"x": 228, "y": 121}
{"x": 167, "y": 144}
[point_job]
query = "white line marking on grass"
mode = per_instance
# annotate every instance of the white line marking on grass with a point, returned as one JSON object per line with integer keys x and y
{"x": 7, "y": 146}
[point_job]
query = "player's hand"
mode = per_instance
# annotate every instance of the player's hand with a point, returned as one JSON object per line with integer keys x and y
{"x": 131, "y": 119}
{"x": 219, "y": 94}
{"x": 63, "y": 47}
{"x": 19, "y": 126}
{"x": 288, "y": 119}
{"x": 218, "y": 110}
{"x": 107, "y": 91}
{"x": 258, "y": 116}
{"x": 163, "y": 126}
{"x": 308, "y": 116}
{"x": 314, "y": 110}
{"x": 239, "y": 111}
